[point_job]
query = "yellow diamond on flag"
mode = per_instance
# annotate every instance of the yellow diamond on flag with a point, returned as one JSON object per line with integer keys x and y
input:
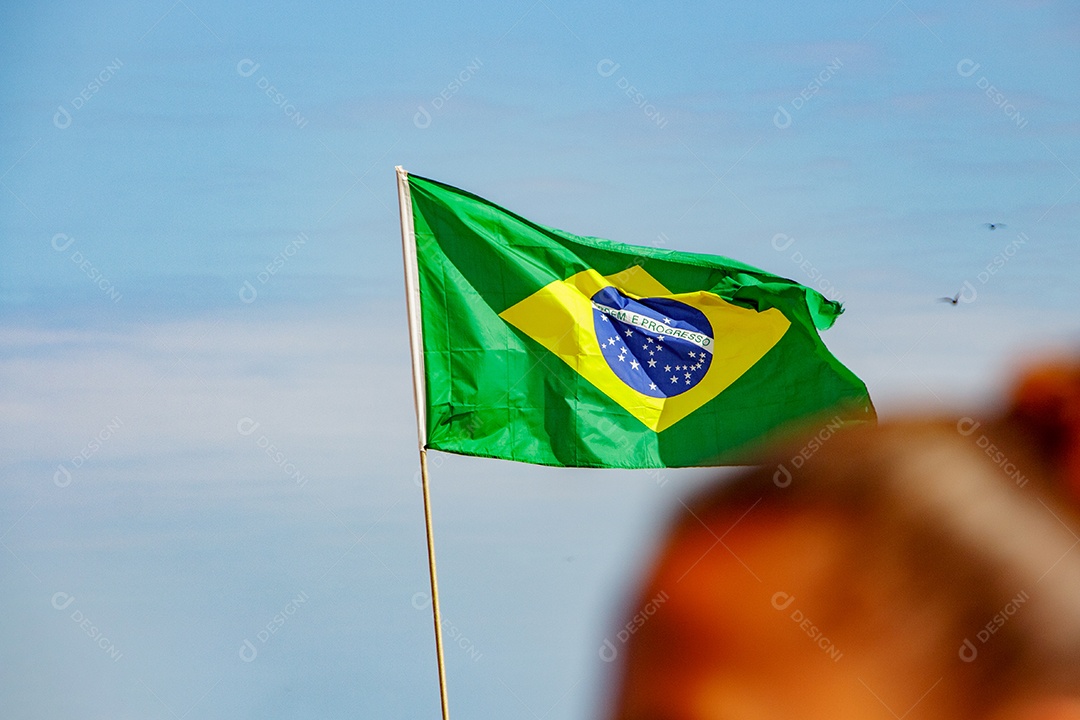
{"x": 658, "y": 354}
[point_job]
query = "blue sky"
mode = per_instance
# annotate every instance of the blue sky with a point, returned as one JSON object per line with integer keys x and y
{"x": 149, "y": 179}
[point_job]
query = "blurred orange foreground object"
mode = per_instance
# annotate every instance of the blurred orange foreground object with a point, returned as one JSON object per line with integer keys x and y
{"x": 905, "y": 571}
{"x": 1047, "y": 402}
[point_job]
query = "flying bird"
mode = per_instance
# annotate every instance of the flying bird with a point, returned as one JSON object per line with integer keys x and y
{"x": 954, "y": 299}
{"x": 994, "y": 226}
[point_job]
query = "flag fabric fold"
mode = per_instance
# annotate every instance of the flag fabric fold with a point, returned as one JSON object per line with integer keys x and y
{"x": 545, "y": 347}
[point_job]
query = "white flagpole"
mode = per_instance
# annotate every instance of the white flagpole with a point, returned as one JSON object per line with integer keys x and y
{"x": 416, "y": 346}
{"x": 412, "y": 304}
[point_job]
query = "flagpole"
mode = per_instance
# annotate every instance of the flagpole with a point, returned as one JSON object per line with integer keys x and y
{"x": 412, "y": 304}
{"x": 434, "y": 586}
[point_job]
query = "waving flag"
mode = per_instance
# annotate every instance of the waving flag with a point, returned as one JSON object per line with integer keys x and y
{"x": 545, "y": 347}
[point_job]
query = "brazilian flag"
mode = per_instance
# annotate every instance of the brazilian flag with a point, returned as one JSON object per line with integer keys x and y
{"x": 545, "y": 347}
